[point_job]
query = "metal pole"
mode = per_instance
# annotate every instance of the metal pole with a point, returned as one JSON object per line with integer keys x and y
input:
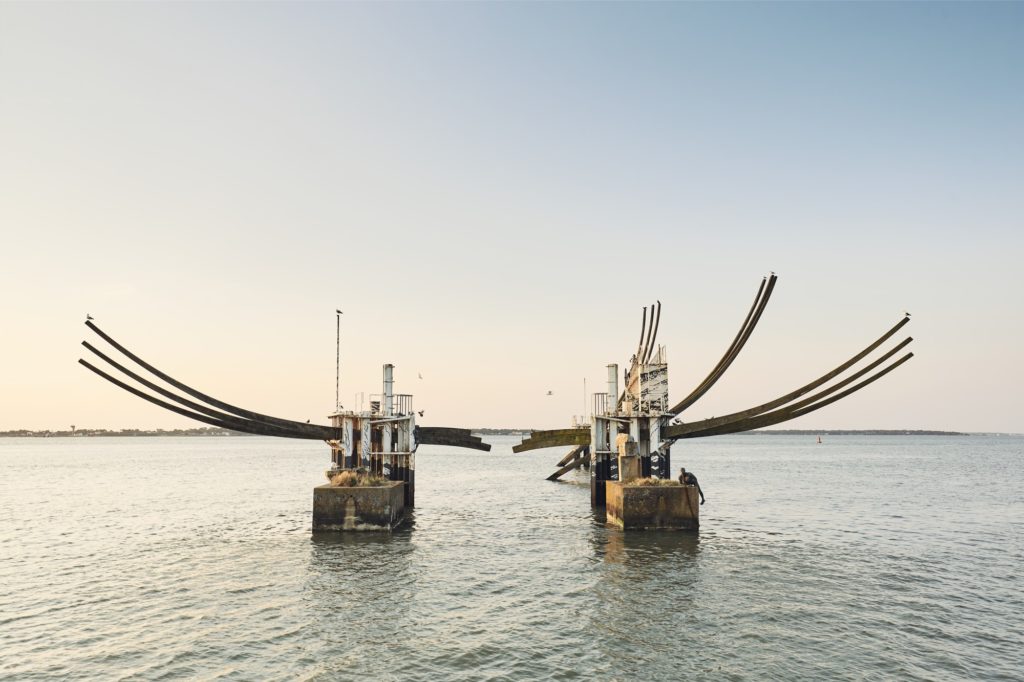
{"x": 337, "y": 363}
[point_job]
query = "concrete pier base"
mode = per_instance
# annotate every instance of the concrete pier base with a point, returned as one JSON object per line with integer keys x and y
{"x": 648, "y": 507}
{"x": 358, "y": 508}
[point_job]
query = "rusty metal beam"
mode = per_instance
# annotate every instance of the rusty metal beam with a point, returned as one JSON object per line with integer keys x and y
{"x": 764, "y": 292}
{"x": 310, "y": 430}
{"x": 647, "y": 344}
{"x": 679, "y": 430}
{"x": 549, "y": 439}
{"x": 571, "y": 456}
{"x": 673, "y": 431}
{"x": 794, "y": 411}
{"x": 209, "y": 400}
{"x": 458, "y": 438}
{"x": 643, "y": 330}
{"x": 244, "y": 420}
{"x": 654, "y": 337}
{"x": 574, "y": 464}
{"x": 227, "y": 422}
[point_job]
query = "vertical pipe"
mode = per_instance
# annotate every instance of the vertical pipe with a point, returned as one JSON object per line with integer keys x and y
{"x": 388, "y": 387}
{"x": 613, "y": 386}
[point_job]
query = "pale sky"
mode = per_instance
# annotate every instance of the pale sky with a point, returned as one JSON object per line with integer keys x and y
{"x": 492, "y": 192}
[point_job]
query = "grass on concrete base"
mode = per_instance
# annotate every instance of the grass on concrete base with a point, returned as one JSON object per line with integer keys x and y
{"x": 664, "y": 482}
{"x": 354, "y": 479}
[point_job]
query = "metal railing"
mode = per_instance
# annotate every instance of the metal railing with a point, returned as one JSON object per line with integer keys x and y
{"x": 401, "y": 404}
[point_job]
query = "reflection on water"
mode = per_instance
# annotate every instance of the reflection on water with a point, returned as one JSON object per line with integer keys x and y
{"x": 192, "y": 558}
{"x": 640, "y": 549}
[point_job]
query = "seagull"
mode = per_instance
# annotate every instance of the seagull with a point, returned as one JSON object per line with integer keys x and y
{"x": 88, "y": 317}
{"x": 420, "y": 413}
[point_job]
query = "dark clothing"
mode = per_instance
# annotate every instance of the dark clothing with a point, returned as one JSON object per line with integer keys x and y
{"x": 690, "y": 479}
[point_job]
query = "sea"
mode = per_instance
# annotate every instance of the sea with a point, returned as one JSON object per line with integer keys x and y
{"x": 860, "y": 558}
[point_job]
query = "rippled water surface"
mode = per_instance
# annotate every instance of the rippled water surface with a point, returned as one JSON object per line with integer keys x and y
{"x": 861, "y": 558}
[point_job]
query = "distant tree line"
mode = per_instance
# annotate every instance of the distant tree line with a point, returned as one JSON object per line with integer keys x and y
{"x": 87, "y": 433}
{"x": 852, "y": 432}
{"x": 214, "y": 431}
{"x": 775, "y": 432}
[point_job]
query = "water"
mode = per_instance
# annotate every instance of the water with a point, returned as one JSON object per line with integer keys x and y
{"x": 861, "y": 558}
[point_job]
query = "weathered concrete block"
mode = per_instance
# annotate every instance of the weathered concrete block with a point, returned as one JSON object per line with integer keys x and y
{"x": 654, "y": 506}
{"x": 358, "y": 508}
{"x": 629, "y": 468}
{"x": 629, "y": 459}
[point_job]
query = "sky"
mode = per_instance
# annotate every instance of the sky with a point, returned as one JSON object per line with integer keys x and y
{"x": 492, "y": 192}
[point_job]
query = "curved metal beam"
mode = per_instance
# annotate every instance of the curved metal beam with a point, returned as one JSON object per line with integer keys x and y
{"x": 248, "y": 421}
{"x": 682, "y": 429}
{"x": 746, "y": 335}
{"x": 311, "y": 430}
{"x": 643, "y": 328}
{"x": 554, "y": 438}
{"x": 233, "y": 423}
{"x": 654, "y": 337}
{"x": 778, "y": 402}
{"x": 241, "y": 412}
{"x": 792, "y": 412}
{"x": 459, "y": 438}
{"x": 686, "y": 402}
{"x": 647, "y": 344}
{"x": 767, "y": 285}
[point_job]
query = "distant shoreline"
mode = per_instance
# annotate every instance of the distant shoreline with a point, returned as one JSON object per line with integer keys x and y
{"x": 222, "y": 433}
{"x": 785, "y": 432}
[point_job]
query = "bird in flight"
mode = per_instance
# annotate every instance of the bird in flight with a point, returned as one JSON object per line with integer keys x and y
{"x": 420, "y": 413}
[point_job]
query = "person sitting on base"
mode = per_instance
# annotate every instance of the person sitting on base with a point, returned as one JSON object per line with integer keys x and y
{"x": 689, "y": 479}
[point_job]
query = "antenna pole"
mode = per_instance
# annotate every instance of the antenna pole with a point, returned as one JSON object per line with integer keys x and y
{"x": 337, "y": 363}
